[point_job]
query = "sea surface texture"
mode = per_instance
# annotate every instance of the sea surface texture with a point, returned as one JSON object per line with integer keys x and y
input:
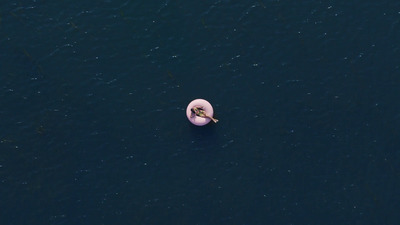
{"x": 93, "y": 127}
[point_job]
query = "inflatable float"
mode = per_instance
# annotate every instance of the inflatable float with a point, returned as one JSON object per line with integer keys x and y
{"x": 200, "y": 112}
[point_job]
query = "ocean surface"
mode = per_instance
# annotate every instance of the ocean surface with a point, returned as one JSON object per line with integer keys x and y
{"x": 92, "y": 112}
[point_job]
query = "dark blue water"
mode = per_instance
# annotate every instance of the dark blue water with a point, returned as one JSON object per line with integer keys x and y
{"x": 92, "y": 112}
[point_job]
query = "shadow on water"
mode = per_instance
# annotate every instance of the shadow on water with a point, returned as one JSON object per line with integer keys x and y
{"x": 203, "y": 138}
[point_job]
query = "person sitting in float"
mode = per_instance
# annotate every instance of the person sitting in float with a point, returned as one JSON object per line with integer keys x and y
{"x": 199, "y": 111}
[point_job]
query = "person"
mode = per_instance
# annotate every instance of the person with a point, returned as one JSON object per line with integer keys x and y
{"x": 199, "y": 111}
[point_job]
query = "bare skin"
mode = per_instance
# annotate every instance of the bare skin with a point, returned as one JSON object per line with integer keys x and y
{"x": 199, "y": 111}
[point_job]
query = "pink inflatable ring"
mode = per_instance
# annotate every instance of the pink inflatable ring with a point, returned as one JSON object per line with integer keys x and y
{"x": 206, "y": 107}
